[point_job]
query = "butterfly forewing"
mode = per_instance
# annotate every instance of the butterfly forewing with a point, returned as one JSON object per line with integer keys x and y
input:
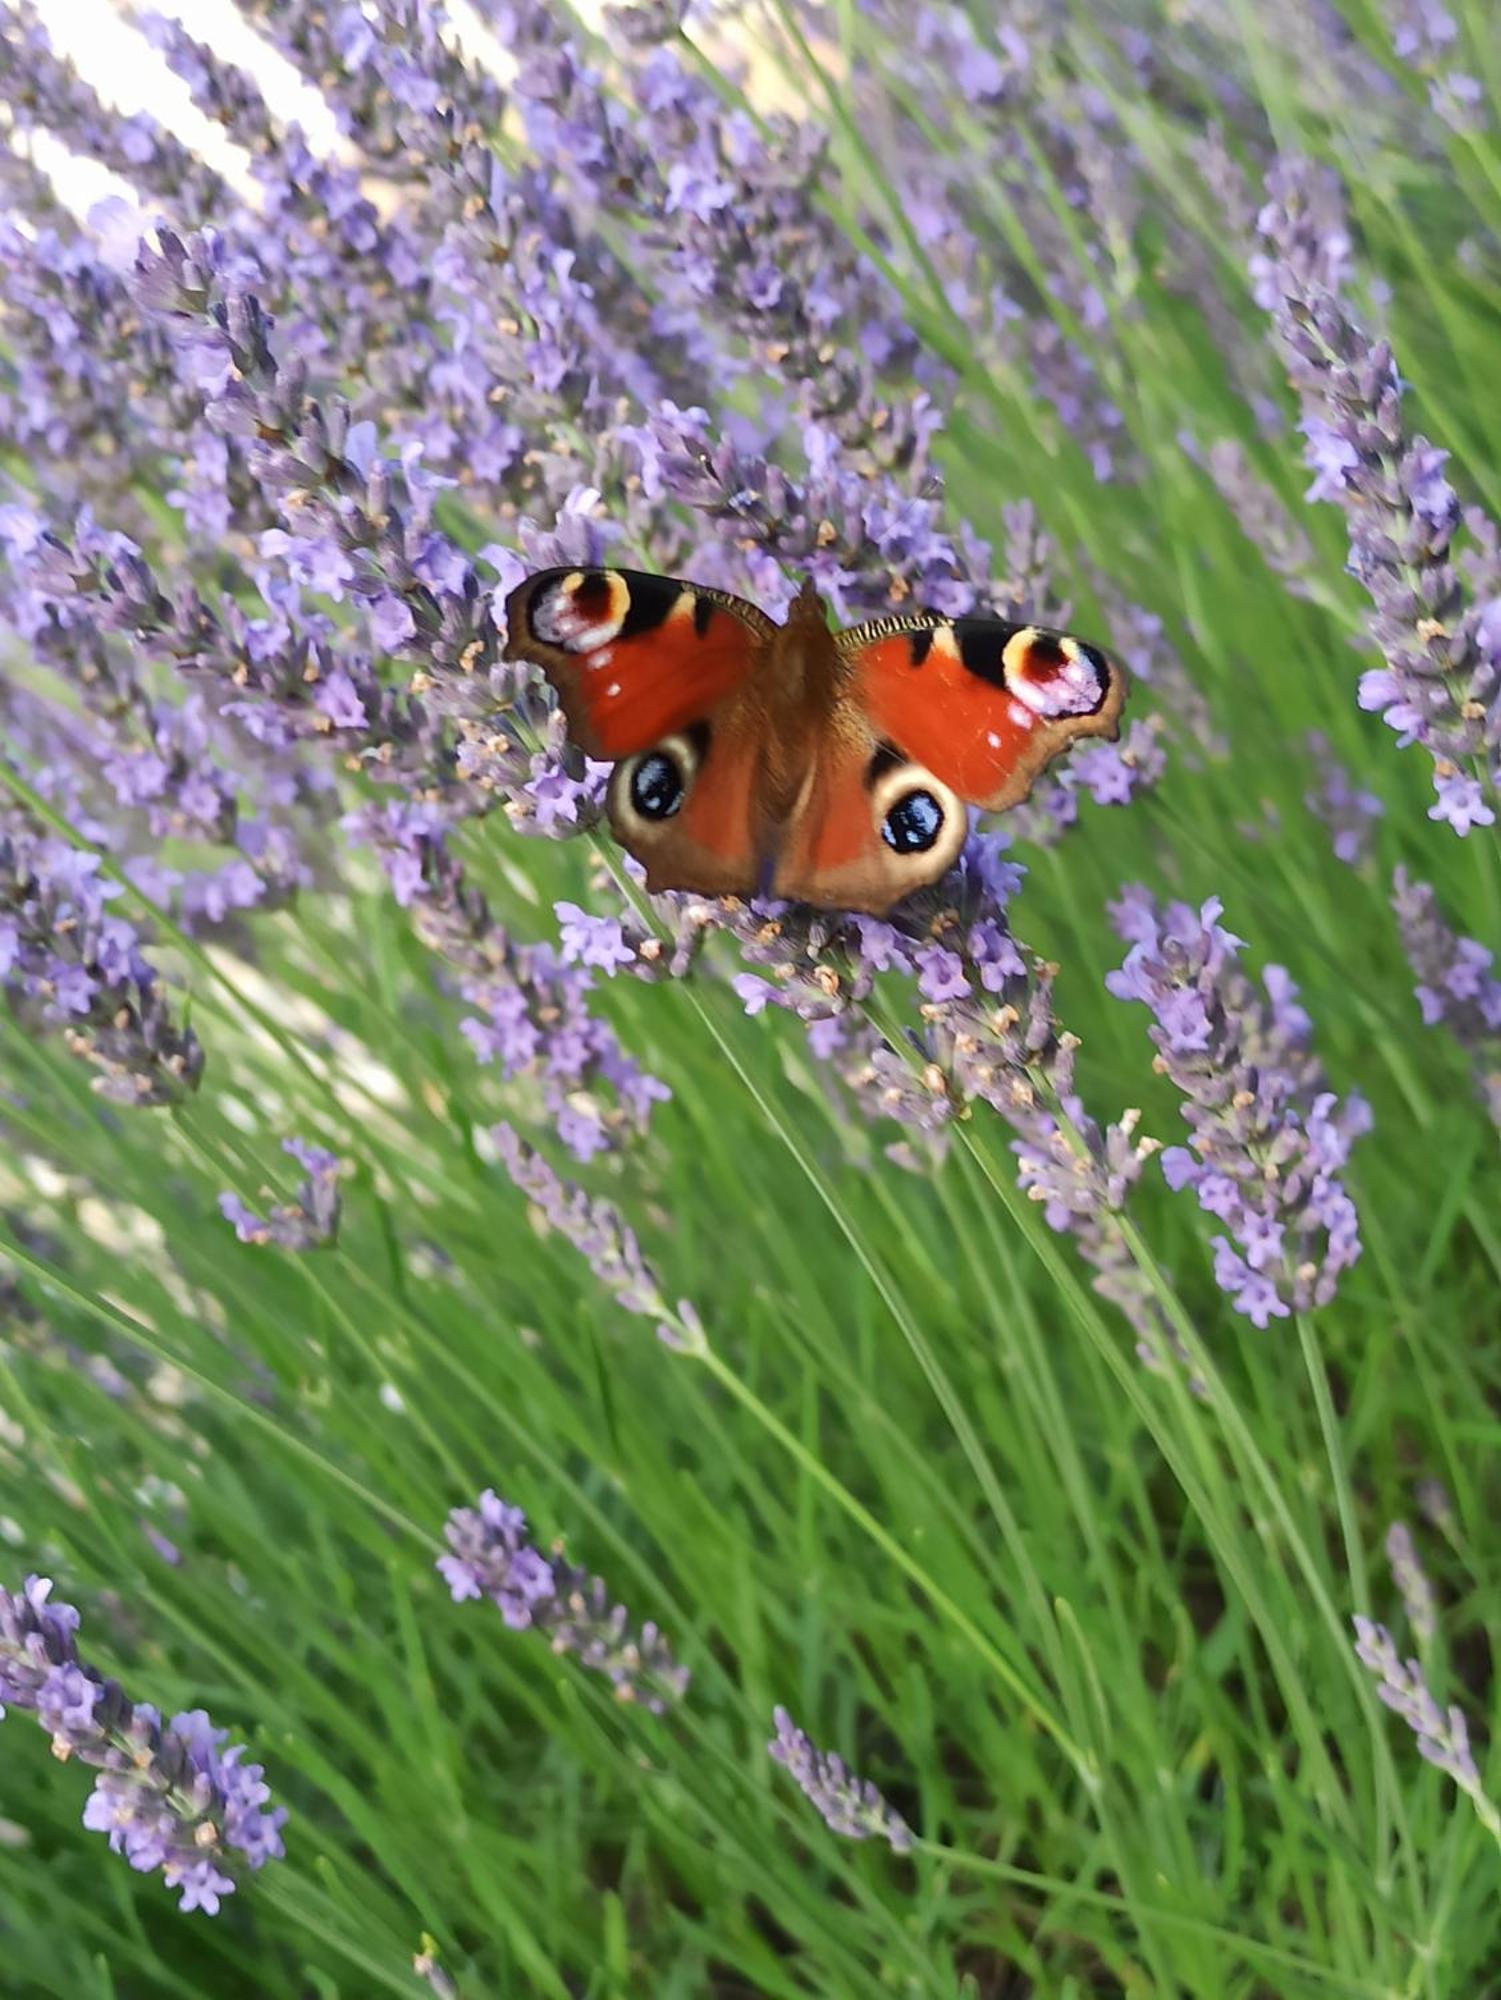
{"x": 634, "y": 657}
{"x": 984, "y": 704}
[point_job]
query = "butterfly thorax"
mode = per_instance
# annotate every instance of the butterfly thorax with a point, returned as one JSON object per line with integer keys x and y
{"x": 797, "y": 692}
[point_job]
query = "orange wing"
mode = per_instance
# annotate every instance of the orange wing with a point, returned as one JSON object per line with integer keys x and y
{"x": 655, "y": 676}
{"x": 986, "y": 706}
{"x": 634, "y": 658}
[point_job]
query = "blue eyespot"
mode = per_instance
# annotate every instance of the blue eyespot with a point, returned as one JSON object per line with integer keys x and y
{"x": 657, "y": 786}
{"x": 913, "y": 824}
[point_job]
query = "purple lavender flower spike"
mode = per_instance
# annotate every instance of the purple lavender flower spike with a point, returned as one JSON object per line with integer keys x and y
{"x": 1269, "y": 1139}
{"x": 1443, "y": 1735}
{"x": 305, "y": 1223}
{"x": 1456, "y": 988}
{"x": 1440, "y": 685}
{"x": 1411, "y": 1579}
{"x": 491, "y": 1555}
{"x": 1348, "y": 813}
{"x": 170, "y": 1796}
{"x": 850, "y": 1806}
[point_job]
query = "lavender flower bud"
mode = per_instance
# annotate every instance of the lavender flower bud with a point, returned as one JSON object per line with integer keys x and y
{"x": 169, "y": 1796}
{"x": 492, "y": 1555}
{"x": 850, "y": 1806}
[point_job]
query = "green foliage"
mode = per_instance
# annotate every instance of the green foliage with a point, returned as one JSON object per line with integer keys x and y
{"x": 1090, "y": 1635}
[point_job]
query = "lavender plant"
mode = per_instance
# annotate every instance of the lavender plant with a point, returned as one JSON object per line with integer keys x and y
{"x": 978, "y": 311}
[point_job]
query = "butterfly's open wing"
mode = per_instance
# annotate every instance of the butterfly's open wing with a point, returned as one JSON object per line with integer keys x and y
{"x": 932, "y": 714}
{"x": 986, "y": 706}
{"x": 653, "y": 677}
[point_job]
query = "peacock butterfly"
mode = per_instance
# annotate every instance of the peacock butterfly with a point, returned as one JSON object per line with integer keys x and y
{"x": 793, "y": 760}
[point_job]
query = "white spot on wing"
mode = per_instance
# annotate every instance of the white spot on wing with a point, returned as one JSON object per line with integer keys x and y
{"x": 613, "y": 688}
{"x": 992, "y": 739}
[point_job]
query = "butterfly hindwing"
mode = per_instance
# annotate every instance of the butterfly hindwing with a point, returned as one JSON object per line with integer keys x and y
{"x": 634, "y": 658}
{"x": 869, "y": 825}
{"x": 985, "y": 705}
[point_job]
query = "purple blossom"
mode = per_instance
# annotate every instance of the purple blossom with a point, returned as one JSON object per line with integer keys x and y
{"x": 493, "y": 1556}
{"x": 850, "y": 1806}
{"x": 1269, "y": 1140}
{"x": 170, "y": 1796}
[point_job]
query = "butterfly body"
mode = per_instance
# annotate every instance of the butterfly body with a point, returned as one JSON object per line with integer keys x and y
{"x": 830, "y": 767}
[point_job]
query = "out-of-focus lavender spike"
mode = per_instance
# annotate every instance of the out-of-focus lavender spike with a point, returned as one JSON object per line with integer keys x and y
{"x": 1425, "y": 36}
{"x": 1456, "y": 988}
{"x": 44, "y": 90}
{"x": 1349, "y": 813}
{"x": 1411, "y": 1579}
{"x": 1269, "y": 1138}
{"x": 850, "y": 1806}
{"x": 169, "y": 1795}
{"x": 492, "y": 1555}
{"x": 1264, "y": 520}
{"x": 1443, "y": 1735}
{"x": 308, "y": 1221}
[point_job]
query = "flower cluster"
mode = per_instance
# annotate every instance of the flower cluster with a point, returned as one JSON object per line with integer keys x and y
{"x": 169, "y": 1795}
{"x": 1456, "y": 988}
{"x": 850, "y": 1806}
{"x": 492, "y": 1555}
{"x": 310, "y": 1219}
{"x": 1269, "y": 1139}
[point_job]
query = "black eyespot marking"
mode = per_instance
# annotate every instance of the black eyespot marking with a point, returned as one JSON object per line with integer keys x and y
{"x": 887, "y": 758}
{"x": 703, "y": 611}
{"x": 913, "y": 824}
{"x": 920, "y": 644}
{"x": 657, "y": 786}
{"x": 652, "y": 599}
